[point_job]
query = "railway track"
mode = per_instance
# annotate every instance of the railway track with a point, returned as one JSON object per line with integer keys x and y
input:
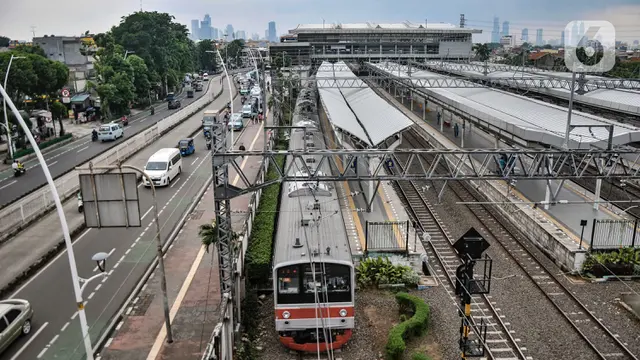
{"x": 537, "y": 267}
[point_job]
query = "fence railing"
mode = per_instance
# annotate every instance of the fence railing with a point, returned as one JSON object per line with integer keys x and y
{"x": 386, "y": 236}
{"x": 219, "y": 346}
{"x": 34, "y": 205}
{"x": 610, "y": 234}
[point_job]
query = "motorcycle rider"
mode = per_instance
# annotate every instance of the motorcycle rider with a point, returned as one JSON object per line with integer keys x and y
{"x": 94, "y": 134}
{"x": 17, "y": 166}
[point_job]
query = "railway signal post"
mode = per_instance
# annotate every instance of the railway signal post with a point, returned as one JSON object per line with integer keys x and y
{"x": 470, "y": 248}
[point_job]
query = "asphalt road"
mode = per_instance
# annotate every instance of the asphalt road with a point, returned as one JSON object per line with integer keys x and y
{"x": 56, "y": 329}
{"x": 79, "y": 151}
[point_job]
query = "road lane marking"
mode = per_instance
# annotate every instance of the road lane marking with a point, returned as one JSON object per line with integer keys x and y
{"x": 42, "y": 352}
{"x": 83, "y": 149}
{"x": 91, "y": 295}
{"x": 74, "y": 315}
{"x": 64, "y": 327}
{"x": 47, "y": 266}
{"x": 194, "y": 161}
{"x": 53, "y": 163}
{"x": 192, "y": 273}
{"x": 54, "y": 339}
{"x": 175, "y": 182}
{"x": 145, "y": 214}
{"x": 26, "y": 345}
{"x": 9, "y": 184}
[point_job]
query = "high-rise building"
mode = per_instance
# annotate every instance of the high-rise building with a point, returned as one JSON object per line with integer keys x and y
{"x": 255, "y": 37}
{"x": 214, "y": 33}
{"x": 539, "y": 41}
{"x": 495, "y": 34}
{"x": 230, "y": 34}
{"x": 525, "y": 35}
{"x": 562, "y": 35}
{"x": 266, "y": 35}
{"x": 272, "y": 31}
{"x": 195, "y": 29}
{"x": 205, "y": 28}
{"x": 505, "y": 28}
{"x": 240, "y": 34}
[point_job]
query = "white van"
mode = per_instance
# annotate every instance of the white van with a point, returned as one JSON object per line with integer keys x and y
{"x": 205, "y": 77}
{"x": 163, "y": 166}
{"x": 110, "y": 131}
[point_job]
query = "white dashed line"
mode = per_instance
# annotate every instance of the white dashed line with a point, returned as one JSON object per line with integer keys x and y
{"x": 9, "y": 184}
{"x": 91, "y": 295}
{"x": 83, "y": 149}
{"x": 42, "y": 352}
{"x": 65, "y": 326}
{"x": 194, "y": 161}
{"x": 74, "y": 315}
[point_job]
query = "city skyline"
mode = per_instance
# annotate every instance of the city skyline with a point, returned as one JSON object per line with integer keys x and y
{"x": 203, "y": 29}
{"x": 520, "y": 14}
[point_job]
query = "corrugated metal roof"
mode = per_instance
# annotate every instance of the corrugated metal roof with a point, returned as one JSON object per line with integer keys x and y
{"x": 359, "y": 111}
{"x": 80, "y": 98}
{"x": 627, "y": 101}
{"x": 527, "y": 118}
{"x": 390, "y": 26}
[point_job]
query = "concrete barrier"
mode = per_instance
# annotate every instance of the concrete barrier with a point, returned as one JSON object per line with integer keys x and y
{"x": 16, "y": 216}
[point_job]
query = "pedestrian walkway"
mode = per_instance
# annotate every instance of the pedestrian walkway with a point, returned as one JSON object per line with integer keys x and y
{"x": 193, "y": 284}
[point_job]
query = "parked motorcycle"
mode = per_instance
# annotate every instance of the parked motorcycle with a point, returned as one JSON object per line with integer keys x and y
{"x": 80, "y": 202}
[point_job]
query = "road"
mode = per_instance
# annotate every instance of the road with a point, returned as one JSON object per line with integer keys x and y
{"x": 56, "y": 329}
{"x": 79, "y": 151}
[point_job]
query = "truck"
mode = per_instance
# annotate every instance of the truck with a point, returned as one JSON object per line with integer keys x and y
{"x": 190, "y": 92}
{"x": 209, "y": 118}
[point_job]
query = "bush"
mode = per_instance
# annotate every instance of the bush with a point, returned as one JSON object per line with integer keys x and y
{"x": 259, "y": 252}
{"x": 380, "y": 270}
{"x": 413, "y": 327}
{"x": 418, "y": 356}
{"x": 42, "y": 146}
{"x": 621, "y": 262}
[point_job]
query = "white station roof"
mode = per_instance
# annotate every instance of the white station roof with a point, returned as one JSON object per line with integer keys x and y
{"x": 359, "y": 111}
{"x": 621, "y": 100}
{"x": 526, "y": 118}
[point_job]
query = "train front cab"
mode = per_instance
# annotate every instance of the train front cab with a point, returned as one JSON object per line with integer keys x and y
{"x": 296, "y": 313}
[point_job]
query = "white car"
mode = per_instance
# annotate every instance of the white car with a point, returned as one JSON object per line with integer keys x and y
{"x": 111, "y": 131}
{"x": 236, "y": 122}
{"x": 247, "y": 111}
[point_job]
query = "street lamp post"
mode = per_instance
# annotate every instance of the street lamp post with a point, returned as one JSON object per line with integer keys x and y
{"x": 6, "y": 117}
{"x": 127, "y": 52}
{"x": 224, "y": 67}
{"x": 65, "y": 228}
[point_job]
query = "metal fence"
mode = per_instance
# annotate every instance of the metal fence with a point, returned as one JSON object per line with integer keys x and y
{"x": 610, "y": 234}
{"x": 386, "y": 236}
{"x": 40, "y": 201}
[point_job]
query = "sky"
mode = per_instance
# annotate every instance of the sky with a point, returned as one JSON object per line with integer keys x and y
{"x": 57, "y": 17}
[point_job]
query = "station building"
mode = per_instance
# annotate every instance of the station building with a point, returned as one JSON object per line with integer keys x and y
{"x": 313, "y": 43}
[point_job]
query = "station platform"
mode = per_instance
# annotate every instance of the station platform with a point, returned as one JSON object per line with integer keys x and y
{"x": 566, "y": 217}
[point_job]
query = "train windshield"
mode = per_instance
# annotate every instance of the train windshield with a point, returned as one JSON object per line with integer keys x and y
{"x": 299, "y": 284}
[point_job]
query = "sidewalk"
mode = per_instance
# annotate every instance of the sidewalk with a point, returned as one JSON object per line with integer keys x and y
{"x": 193, "y": 286}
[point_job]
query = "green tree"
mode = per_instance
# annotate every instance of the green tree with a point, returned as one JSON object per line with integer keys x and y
{"x": 30, "y": 49}
{"x": 233, "y": 52}
{"x": 209, "y": 236}
{"x": 141, "y": 81}
{"x": 206, "y": 60}
{"x": 155, "y": 37}
{"x": 280, "y": 61}
{"x": 59, "y": 112}
{"x": 4, "y": 41}
{"x": 482, "y": 51}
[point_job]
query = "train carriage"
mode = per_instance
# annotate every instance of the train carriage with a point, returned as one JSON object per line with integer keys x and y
{"x": 313, "y": 269}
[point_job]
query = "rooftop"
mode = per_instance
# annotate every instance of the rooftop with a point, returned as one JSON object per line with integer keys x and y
{"x": 528, "y": 119}
{"x": 405, "y": 26}
{"x": 359, "y": 111}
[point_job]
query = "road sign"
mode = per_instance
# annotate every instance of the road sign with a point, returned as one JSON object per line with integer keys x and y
{"x": 65, "y": 92}
{"x": 66, "y": 100}
{"x": 110, "y": 200}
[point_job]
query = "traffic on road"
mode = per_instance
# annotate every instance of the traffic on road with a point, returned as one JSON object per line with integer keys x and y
{"x": 65, "y": 158}
{"x": 54, "y": 331}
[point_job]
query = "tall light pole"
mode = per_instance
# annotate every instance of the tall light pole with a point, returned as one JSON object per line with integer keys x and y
{"x": 65, "y": 228}
{"x": 127, "y": 52}
{"x": 224, "y": 67}
{"x": 6, "y": 117}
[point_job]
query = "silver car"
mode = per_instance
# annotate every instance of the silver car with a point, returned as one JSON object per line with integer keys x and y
{"x": 15, "y": 321}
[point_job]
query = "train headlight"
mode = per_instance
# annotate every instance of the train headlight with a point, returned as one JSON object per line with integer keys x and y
{"x": 343, "y": 312}
{"x": 286, "y": 314}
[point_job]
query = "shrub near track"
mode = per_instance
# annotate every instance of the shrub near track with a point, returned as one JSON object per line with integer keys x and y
{"x": 412, "y": 327}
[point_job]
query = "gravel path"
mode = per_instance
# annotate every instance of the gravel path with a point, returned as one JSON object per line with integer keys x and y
{"x": 531, "y": 317}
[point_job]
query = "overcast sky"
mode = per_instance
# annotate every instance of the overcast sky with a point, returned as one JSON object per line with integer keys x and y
{"x": 73, "y": 18}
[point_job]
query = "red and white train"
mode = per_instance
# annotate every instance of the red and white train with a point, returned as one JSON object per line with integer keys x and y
{"x": 313, "y": 272}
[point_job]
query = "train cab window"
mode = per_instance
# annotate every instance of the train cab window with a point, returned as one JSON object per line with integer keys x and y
{"x": 288, "y": 280}
{"x": 336, "y": 283}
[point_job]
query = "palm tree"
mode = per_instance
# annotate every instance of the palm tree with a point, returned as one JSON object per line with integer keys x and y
{"x": 482, "y": 51}
{"x": 209, "y": 235}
